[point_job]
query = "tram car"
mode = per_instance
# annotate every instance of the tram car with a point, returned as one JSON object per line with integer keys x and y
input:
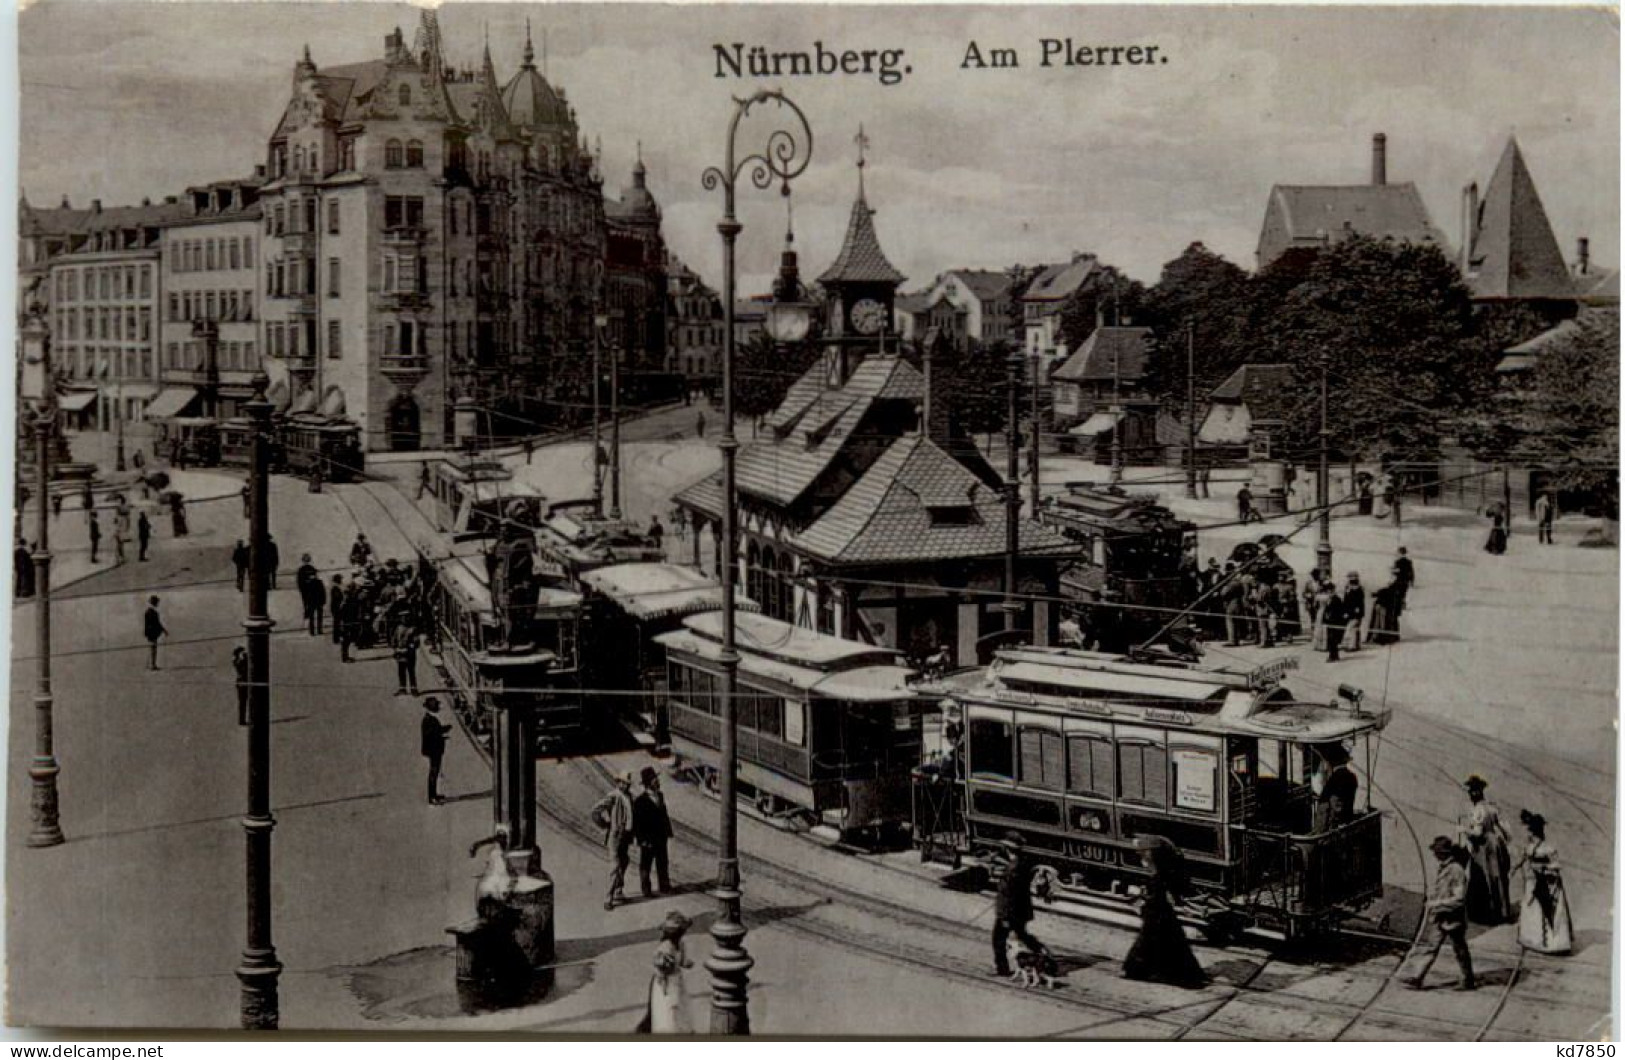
{"x": 237, "y": 442}
{"x": 310, "y": 440}
{"x": 499, "y": 661}
{"x": 574, "y": 539}
{"x": 455, "y": 484}
{"x": 829, "y": 729}
{"x": 1133, "y": 554}
{"x": 1078, "y": 753}
{"x": 194, "y": 439}
{"x": 630, "y": 605}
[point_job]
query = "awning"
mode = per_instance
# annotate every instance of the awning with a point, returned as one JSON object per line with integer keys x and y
{"x": 1099, "y": 423}
{"x": 171, "y": 401}
{"x": 76, "y": 400}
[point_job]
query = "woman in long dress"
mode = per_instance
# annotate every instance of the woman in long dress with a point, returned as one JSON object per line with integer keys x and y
{"x": 1543, "y": 925}
{"x": 1384, "y": 627}
{"x": 1323, "y": 596}
{"x": 1497, "y": 544}
{"x": 668, "y": 1001}
{"x": 1489, "y": 889}
{"x": 1161, "y": 953}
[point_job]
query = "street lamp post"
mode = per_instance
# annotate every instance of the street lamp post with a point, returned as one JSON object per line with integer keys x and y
{"x": 785, "y": 157}
{"x": 1012, "y": 492}
{"x": 598, "y": 324}
{"x": 1323, "y": 485}
{"x": 46, "y": 830}
{"x": 260, "y": 969}
{"x": 615, "y": 430}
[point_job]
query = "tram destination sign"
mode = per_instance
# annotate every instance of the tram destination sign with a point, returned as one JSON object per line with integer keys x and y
{"x": 1271, "y": 673}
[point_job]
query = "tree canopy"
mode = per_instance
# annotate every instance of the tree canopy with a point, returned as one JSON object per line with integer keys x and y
{"x": 1572, "y": 423}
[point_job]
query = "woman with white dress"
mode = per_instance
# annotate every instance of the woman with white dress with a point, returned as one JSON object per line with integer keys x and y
{"x": 668, "y": 1000}
{"x": 1543, "y": 924}
{"x": 1489, "y": 888}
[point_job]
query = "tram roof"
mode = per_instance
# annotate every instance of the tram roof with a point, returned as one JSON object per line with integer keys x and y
{"x": 803, "y": 658}
{"x": 464, "y": 572}
{"x": 660, "y": 590}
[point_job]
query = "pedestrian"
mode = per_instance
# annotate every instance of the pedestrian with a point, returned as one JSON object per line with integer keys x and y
{"x": 1354, "y": 609}
{"x": 657, "y": 533}
{"x": 143, "y": 536}
{"x": 404, "y": 641}
{"x": 177, "y": 515}
{"x": 1334, "y": 617}
{"x": 175, "y": 453}
{"x": 335, "y": 604}
{"x": 361, "y": 551}
{"x": 1244, "y": 504}
{"x": 1404, "y": 576}
{"x": 423, "y": 479}
{"x": 1545, "y": 516}
{"x": 1334, "y": 787}
{"x": 1161, "y": 953}
{"x": 1384, "y": 616}
{"x": 273, "y": 560}
{"x": 699, "y": 425}
{"x": 614, "y": 815}
{"x": 22, "y": 571}
{"x": 248, "y": 502}
{"x": 86, "y": 497}
{"x": 1367, "y": 499}
{"x": 1232, "y": 596}
{"x": 1390, "y": 497}
{"x": 95, "y": 537}
{"x": 1013, "y": 906}
{"x": 1290, "y": 622}
{"x": 667, "y": 1010}
{"x": 315, "y": 604}
{"x": 1446, "y": 910}
{"x": 56, "y": 505}
{"x": 652, "y": 825}
{"x": 1497, "y": 543}
{"x": 1485, "y": 839}
{"x": 1263, "y": 603}
{"x": 1205, "y": 478}
{"x": 121, "y": 536}
{"x": 345, "y": 610}
{"x": 153, "y": 626}
{"x": 432, "y": 737}
{"x": 239, "y": 667}
{"x": 317, "y": 475}
{"x": 240, "y": 560}
{"x": 1544, "y": 924}
{"x": 138, "y": 460}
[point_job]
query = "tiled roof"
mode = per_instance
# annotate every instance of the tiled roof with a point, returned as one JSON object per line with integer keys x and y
{"x": 886, "y": 517}
{"x": 349, "y": 84}
{"x": 1261, "y": 387}
{"x": 1055, "y": 282}
{"x": 1108, "y": 353}
{"x": 1312, "y": 215}
{"x": 913, "y": 303}
{"x": 807, "y": 433}
{"x": 861, "y": 260}
{"x": 1514, "y": 253}
{"x": 1600, "y": 320}
{"x": 1599, "y": 286}
{"x": 985, "y": 284}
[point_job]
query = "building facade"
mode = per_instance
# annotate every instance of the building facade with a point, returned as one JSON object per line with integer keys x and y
{"x": 693, "y": 326}
{"x": 1041, "y": 306}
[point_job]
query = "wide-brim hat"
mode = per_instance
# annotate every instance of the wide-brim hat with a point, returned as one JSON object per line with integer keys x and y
{"x": 1531, "y": 819}
{"x": 1475, "y": 783}
{"x": 648, "y": 773}
{"x": 431, "y": 704}
{"x": 1442, "y": 845}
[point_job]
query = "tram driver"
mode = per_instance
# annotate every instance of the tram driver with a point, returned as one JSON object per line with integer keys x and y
{"x": 1334, "y": 785}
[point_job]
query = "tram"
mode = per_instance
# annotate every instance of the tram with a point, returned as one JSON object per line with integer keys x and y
{"x": 574, "y": 539}
{"x": 829, "y": 729}
{"x": 237, "y": 442}
{"x": 1078, "y": 753}
{"x": 310, "y": 440}
{"x": 195, "y": 440}
{"x": 1134, "y": 551}
{"x": 455, "y": 484}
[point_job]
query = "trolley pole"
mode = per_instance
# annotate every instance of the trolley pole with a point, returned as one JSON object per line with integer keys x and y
{"x": 615, "y": 430}
{"x": 1012, "y": 492}
{"x": 1117, "y": 424}
{"x": 1323, "y": 488}
{"x": 42, "y": 772}
{"x": 1190, "y": 411}
{"x": 260, "y": 969}
{"x": 1034, "y": 491}
{"x": 597, "y": 464}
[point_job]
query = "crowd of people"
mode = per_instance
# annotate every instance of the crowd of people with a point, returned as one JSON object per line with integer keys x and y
{"x": 381, "y": 603}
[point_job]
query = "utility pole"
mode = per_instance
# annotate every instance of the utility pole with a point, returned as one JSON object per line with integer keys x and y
{"x": 47, "y": 829}
{"x": 1012, "y": 492}
{"x": 615, "y": 430}
{"x": 1190, "y": 411}
{"x": 260, "y": 969}
{"x": 1323, "y": 488}
{"x": 598, "y": 324}
{"x": 1037, "y": 436}
{"x": 1117, "y": 422}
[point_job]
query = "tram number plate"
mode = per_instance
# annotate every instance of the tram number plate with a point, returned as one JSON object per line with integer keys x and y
{"x": 1100, "y": 855}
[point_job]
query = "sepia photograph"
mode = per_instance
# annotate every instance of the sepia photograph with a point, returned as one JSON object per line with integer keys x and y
{"x": 808, "y": 521}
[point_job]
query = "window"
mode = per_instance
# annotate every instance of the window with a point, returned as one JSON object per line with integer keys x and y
{"x": 1142, "y": 770}
{"x": 403, "y": 211}
{"x": 146, "y": 325}
{"x": 406, "y": 95}
{"x": 414, "y": 154}
{"x": 389, "y": 272}
{"x": 408, "y": 338}
{"x": 333, "y": 339}
{"x": 281, "y": 220}
{"x": 406, "y": 273}
{"x": 233, "y": 254}
{"x": 173, "y": 357}
{"x": 174, "y": 306}
{"x": 146, "y": 281}
{"x": 332, "y": 217}
{"x": 270, "y": 278}
{"x": 1089, "y": 765}
{"x": 208, "y": 255}
{"x": 992, "y": 748}
{"x": 1042, "y": 758}
{"x": 248, "y": 305}
{"x": 273, "y": 338}
{"x": 393, "y": 156}
{"x": 248, "y": 355}
{"x": 332, "y": 277}
{"x": 310, "y": 215}
{"x": 129, "y": 281}
{"x": 347, "y": 153}
{"x": 248, "y": 252}
{"x": 209, "y": 311}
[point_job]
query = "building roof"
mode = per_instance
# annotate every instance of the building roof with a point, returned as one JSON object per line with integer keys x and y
{"x": 1056, "y": 282}
{"x": 861, "y": 260}
{"x": 1108, "y": 353}
{"x": 913, "y": 303}
{"x": 1514, "y": 253}
{"x": 1597, "y": 286}
{"x": 1313, "y": 216}
{"x": 348, "y": 85}
{"x": 985, "y": 284}
{"x": 530, "y": 100}
{"x": 1524, "y": 356}
{"x": 893, "y": 514}
{"x": 1261, "y": 387}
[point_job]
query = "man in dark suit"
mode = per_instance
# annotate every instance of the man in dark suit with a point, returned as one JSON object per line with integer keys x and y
{"x": 651, "y": 824}
{"x": 433, "y": 745}
{"x": 239, "y": 559}
{"x": 239, "y": 667}
{"x": 312, "y": 593}
{"x": 1013, "y": 907}
{"x": 143, "y": 536}
{"x": 1335, "y": 617}
{"x": 153, "y": 626}
{"x": 1354, "y": 609}
{"x": 95, "y": 538}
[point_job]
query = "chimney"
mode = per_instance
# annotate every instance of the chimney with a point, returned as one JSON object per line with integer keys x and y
{"x": 259, "y": 171}
{"x": 1379, "y": 159}
{"x": 95, "y": 206}
{"x": 66, "y": 205}
{"x": 1585, "y": 256}
{"x": 1469, "y": 226}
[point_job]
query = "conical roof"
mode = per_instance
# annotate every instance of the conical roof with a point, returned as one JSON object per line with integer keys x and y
{"x": 1514, "y": 253}
{"x": 490, "y": 112}
{"x": 861, "y": 260}
{"x": 530, "y": 100}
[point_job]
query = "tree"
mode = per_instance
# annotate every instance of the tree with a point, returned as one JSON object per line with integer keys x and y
{"x": 1573, "y": 412}
{"x": 1203, "y": 295}
{"x": 764, "y": 370}
{"x": 975, "y": 382}
{"x": 1106, "y": 294}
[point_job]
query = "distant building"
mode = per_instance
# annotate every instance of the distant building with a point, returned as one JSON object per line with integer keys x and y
{"x": 1302, "y": 219}
{"x": 1100, "y": 399}
{"x": 974, "y": 303}
{"x": 693, "y": 326}
{"x": 635, "y": 275}
{"x": 1245, "y": 409}
{"x": 1509, "y": 252}
{"x": 1042, "y": 302}
{"x": 750, "y": 319}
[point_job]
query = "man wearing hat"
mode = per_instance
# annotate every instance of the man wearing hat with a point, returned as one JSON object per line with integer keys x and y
{"x": 434, "y": 732}
{"x": 1354, "y": 609}
{"x": 1013, "y": 906}
{"x": 614, "y": 815}
{"x": 652, "y": 826}
{"x": 1448, "y": 911}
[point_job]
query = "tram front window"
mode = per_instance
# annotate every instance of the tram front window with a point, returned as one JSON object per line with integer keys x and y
{"x": 992, "y": 749}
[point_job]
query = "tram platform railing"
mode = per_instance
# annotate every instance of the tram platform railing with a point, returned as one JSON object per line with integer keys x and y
{"x": 1314, "y": 874}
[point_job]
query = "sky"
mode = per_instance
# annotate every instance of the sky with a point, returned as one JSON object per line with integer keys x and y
{"x": 966, "y": 167}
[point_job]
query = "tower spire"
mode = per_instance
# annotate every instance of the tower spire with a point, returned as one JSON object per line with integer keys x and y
{"x": 530, "y": 52}
{"x": 862, "y": 140}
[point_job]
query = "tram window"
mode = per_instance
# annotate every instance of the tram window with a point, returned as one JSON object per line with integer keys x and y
{"x": 992, "y": 749}
{"x": 1089, "y": 761}
{"x": 1142, "y": 773}
{"x": 1043, "y": 759}
{"x": 675, "y": 684}
{"x": 1196, "y": 778}
{"x": 795, "y": 731}
{"x": 1269, "y": 759}
{"x": 770, "y": 716}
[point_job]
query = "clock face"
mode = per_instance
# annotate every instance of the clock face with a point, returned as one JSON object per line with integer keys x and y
{"x": 868, "y": 316}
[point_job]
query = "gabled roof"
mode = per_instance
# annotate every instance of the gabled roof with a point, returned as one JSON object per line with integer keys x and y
{"x": 913, "y": 303}
{"x": 886, "y": 517}
{"x": 1525, "y": 355}
{"x": 1055, "y": 282}
{"x": 1514, "y": 253}
{"x": 1108, "y": 353}
{"x": 1261, "y": 387}
{"x": 1316, "y": 215}
{"x": 985, "y": 284}
{"x": 349, "y": 85}
{"x": 861, "y": 260}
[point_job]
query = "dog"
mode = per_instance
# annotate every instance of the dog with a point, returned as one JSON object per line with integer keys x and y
{"x": 1033, "y": 969}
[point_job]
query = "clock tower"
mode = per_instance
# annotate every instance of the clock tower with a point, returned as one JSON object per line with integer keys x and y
{"x": 861, "y": 285}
